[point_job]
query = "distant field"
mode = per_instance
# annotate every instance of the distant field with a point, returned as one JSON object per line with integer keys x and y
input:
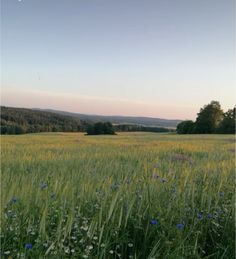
{"x": 134, "y": 195}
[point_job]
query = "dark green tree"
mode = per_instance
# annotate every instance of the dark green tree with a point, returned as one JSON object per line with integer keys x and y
{"x": 100, "y": 128}
{"x": 108, "y": 128}
{"x": 185, "y": 127}
{"x": 209, "y": 118}
{"x": 227, "y": 125}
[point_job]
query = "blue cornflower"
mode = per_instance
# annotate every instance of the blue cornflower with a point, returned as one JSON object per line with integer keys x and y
{"x": 154, "y": 222}
{"x": 163, "y": 180}
{"x": 180, "y": 226}
{"x": 200, "y": 216}
{"x": 11, "y": 214}
{"x": 222, "y": 194}
{"x": 43, "y": 186}
{"x": 28, "y": 246}
{"x": 209, "y": 216}
{"x": 53, "y": 195}
{"x": 115, "y": 186}
{"x": 14, "y": 200}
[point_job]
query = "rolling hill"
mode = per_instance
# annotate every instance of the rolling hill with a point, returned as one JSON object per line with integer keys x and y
{"x": 144, "y": 121}
{"x": 22, "y": 120}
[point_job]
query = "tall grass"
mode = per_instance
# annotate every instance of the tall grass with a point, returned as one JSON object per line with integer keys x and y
{"x": 134, "y": 195}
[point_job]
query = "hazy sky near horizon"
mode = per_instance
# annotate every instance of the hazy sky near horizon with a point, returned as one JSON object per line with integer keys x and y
{"x": 160, "y": 58}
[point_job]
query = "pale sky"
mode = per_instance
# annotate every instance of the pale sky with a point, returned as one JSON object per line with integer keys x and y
{"x": 158, "y": 58}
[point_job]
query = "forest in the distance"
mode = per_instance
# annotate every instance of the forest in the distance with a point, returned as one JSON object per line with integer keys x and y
{"x": 21, "y": 121}
{"x": 210, "y": 119}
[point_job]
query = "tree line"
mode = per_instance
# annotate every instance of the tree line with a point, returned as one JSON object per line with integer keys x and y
{"x": 99, "y": 128}
{"x": 133, "y": 128}
{"x": 210, "y": 119}
{"x": 20, "y": 121}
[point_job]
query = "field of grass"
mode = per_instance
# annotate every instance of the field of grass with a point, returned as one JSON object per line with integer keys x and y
{"x": 134, "y": 195}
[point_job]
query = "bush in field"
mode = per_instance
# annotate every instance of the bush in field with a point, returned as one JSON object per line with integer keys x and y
{"x": 185, "y": 127}
{"x": 101, "y": 128}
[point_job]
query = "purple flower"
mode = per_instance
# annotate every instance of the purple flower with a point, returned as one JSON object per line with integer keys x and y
{"x": 200, "y": 216}
{"x": 209, "y": 216}
{"x": 43, "y": 186}
{"x": 115, "y": 186}
{"x": 222, "y": 194}
{"x": 154, "y": 222}
{"x": 14, "y": 200}
{"x": 28, "y": 246}
{"x": 163, "y": 180}
{"x": 53, "y": 195}
{"x": 180, "y": 226}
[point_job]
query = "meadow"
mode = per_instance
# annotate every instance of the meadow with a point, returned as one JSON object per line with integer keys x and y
{"x": 134, "y": 195}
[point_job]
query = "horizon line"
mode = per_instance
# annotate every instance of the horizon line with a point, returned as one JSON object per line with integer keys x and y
{"x": 89, "y": 114}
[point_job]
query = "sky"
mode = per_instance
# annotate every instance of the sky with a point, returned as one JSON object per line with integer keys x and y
{"x": 156, "y": 58}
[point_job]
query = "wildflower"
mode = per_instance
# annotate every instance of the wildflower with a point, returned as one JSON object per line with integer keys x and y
{"x": 115, "y": 186}
{"x": 111, "y": 252}
{"x": 200, "y": 216}
{"x": 85, "y": 228}
{"x": 7, "y": 252}
{"x": 43, "y": 186}
{"x": 222, "y": 194}
{"x": 67, "y": 250}
{"x": 53, "y": 195}
{"x": 163, "y": 180}
{"x": 14, "y": 200}
{"x": 28, "y": 246}
{"x": 209, "y": 216}
{"x": 130, "y": 245}
{"x": 11, "y": 214}
{"x": 154, "y": 222}
{"x": 180, "y": 226}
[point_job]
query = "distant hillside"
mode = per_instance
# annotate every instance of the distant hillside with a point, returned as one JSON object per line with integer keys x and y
{"x": 143, "y": 121}
{"x": 20, "y": 120}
